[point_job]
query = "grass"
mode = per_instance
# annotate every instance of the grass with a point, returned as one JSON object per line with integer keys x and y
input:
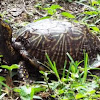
{"x": 72, "y": 85}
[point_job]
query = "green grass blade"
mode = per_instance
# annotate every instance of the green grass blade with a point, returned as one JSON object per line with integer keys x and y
{"x": 53, "y": 67}
{"x": 64, "y": 69}
{"x": 85, "y": 67}
{"x": 32, "y": 93}
{"x": 56, "y": 71}
{"x": 70, "y": 57}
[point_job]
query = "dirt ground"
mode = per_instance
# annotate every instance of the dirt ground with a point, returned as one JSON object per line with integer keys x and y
{"x": 20, "y": 12}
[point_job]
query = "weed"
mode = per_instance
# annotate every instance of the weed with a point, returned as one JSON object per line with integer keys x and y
{"x": 73, "y": 85}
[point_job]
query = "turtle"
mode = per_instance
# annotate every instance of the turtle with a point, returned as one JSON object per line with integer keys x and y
{"x": 48, "y": 36}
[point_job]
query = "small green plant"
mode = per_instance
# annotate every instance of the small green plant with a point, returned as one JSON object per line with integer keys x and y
{"x": 52, "y": 12}
{"x": 2, "y": 79}
{"x": 53, "y": 67}
{"x": 91, "y": 15}
{"x": 45, "y": 74}
{"x": 28, "y": 92}
{"x": 9, "y": 82}
{"x": 91, "y": 19}
{"x": 10, "y": 68}
{"x": 73, "y": 84}
{"x": 67, "y": 15}
{"x": 52, "y": 9}
{"x": 2, "y": 84}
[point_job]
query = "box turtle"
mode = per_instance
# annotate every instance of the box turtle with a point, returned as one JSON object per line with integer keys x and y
{"x": 54, "y": 37}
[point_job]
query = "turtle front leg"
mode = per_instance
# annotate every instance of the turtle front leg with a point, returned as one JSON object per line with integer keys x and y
{"x": 27, "y": 63}
{"x": 34, "y": 62}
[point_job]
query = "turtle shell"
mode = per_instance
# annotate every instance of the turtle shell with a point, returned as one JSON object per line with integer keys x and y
{"x": 56, "y": 38}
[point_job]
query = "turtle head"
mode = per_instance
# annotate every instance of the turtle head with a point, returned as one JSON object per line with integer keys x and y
{"x": 6, "y": 48}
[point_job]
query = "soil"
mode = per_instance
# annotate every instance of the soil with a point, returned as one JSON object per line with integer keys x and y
{"x": 19, "y": 12}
